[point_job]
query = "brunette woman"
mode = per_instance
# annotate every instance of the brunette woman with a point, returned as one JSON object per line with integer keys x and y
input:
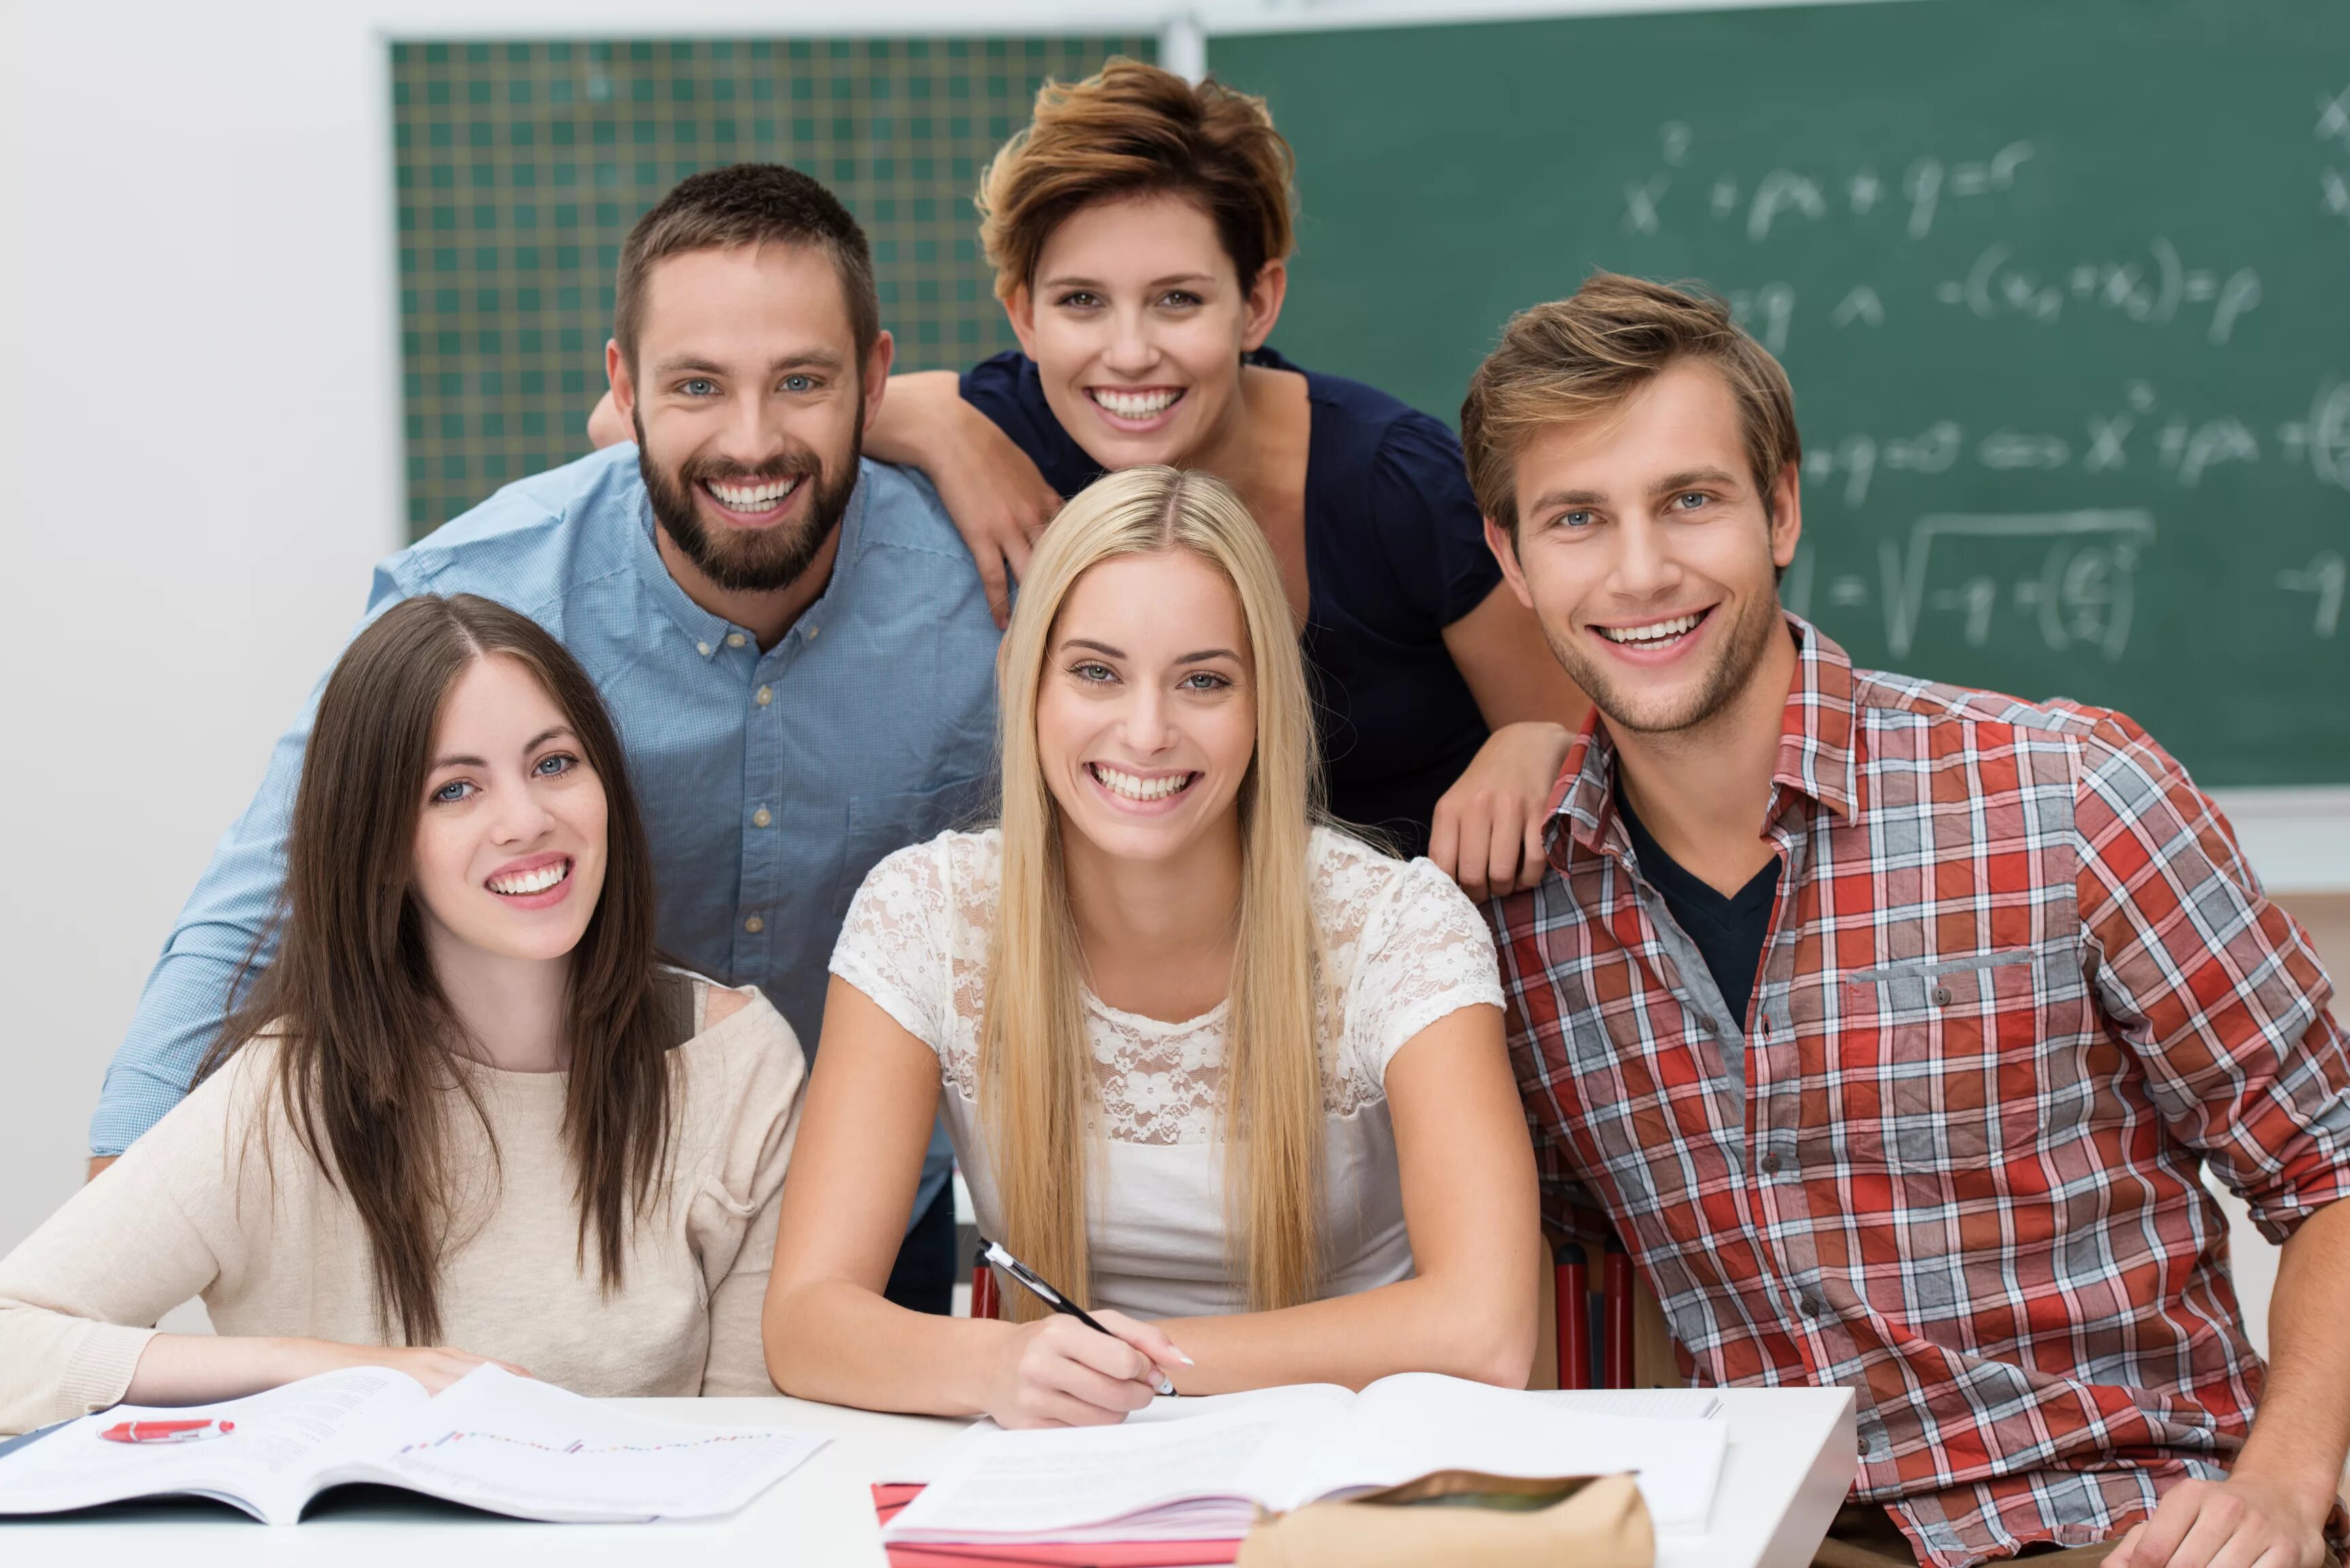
{"x": 464, "y": 1114}
{"x": 1204, "y": 1058}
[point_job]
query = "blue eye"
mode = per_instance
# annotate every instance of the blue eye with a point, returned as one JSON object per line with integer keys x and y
{"x": 799, "y": 383}
{"x": 1689, "y": 500}
{"x": 453, "y": 792}
{"x": 1093, "y": 671}
{"x": 555, "y": 765}
{"x": 1204, "y": 680}
{"x": 699, "y": 387}
{"x": 1576, "y": 519}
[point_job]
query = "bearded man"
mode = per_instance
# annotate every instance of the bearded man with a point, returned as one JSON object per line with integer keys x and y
{"x": 750, "y": 596}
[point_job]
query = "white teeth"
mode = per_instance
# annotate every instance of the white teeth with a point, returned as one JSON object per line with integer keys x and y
{"x": 1134, "y": 405}
{"x": 537, "y": 881}
{"x": 753, "y": 498}
{"x": 1134, "y": 789}
{"x": 1655, "y": 631}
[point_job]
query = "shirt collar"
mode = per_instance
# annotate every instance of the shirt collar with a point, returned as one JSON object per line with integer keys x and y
{"x": 706, "y": 631}
{"x": 1816, "y": 750}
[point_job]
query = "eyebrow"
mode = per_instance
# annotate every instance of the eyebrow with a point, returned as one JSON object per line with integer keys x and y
{"x": 1171, "y": 279}
{"x": 1687, "y": 479}
{"x": 552, "y": 732}
{"x": 813, "y": 359}
{"x": 1202, "y": 657}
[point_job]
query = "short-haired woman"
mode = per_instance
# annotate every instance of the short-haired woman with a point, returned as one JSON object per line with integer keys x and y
{"x": 1205, "y": 1059}
{"x": 464, "y": 1115}
{"x": 1139, "y": 228}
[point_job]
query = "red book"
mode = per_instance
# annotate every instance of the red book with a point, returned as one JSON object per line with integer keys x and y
{"x": 888, "y": 1499}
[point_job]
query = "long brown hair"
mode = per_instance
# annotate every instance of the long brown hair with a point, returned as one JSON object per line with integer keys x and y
{"x": 365, "y": 1038}
{"x": 1035, "y": 1088}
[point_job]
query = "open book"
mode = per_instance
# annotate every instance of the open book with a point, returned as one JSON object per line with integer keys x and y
{"x": 490, "y": 1440}
{"x": 1200, "y": 1469}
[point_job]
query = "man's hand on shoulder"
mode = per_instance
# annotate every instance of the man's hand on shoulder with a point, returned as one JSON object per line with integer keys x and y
{"x": 2234, "y": 1523}
{"x": 98, "y": 1162}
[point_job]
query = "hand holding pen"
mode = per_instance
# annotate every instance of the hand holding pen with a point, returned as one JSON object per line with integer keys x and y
{"x": 1077, "y": 1368}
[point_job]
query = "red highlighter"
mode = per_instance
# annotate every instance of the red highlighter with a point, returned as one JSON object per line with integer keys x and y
{"x": 166, "y": 1431}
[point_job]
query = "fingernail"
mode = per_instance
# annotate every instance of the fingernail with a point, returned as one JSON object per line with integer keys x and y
{"x": 1166, "y": 1387}
{"x": 1183, "y": 1359}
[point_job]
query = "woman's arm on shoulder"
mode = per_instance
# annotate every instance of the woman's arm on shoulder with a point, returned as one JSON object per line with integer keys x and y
{"x": 1468, "y": 1178}
{"x": 1488, "y": 830}
{"x": 996, "y": 495}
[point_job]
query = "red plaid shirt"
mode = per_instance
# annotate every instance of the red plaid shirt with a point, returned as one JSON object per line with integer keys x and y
{"x": 2019, "y": 985}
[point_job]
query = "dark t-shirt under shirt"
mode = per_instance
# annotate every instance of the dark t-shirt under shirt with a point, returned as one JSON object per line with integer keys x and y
{"x": 1728, "y": 932}
{"x": 1395, "y": 552}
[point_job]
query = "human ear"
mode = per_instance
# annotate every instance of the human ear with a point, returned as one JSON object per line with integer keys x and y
{"x": 877, "y": 361}
{"x": 1020, "y": 309}
{"x": 624, "y": 385}
{"x": 1264, "y": 300}
{"x": 1786, "y": 516}
{"x": 1497, "y": 539}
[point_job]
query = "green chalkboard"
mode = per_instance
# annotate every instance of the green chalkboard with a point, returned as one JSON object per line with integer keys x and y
{"x": 2064, "y": 286}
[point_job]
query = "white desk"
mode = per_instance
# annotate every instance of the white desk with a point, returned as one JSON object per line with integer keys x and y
{"x": 1790, "y": 1463}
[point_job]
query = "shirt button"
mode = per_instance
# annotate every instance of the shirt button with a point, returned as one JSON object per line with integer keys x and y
{"x": 755, "y": 925}
{"x": 1942, "y": 996}
{"x": 1772, "y": 1164}
{"x": 702, "y": 649}
{"x": 812, "y": 631}
{"x": 760, "y": 818}
{"x": 767, "y": 695}
{"x": 733, "y": 639}
{"x": 1813, "y": 1306}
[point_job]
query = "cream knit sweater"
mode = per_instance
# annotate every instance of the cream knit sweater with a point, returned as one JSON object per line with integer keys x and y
{"x": 199, "y": 1207}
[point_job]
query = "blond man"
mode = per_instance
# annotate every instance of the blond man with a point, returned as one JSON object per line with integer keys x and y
{"x": 1892, "y": 1024}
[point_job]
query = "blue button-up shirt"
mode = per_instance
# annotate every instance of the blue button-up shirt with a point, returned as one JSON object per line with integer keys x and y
{"x": 770, "y": 781}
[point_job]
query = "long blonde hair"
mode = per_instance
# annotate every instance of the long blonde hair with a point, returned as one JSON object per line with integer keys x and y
{"x": 1035, "y": 1082}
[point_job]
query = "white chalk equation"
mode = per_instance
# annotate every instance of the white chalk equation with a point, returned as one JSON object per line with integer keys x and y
{"x": 2067, "y": 580}
{"x": 1910, "y": 197}
{"x": 2334, "y": 181}
{"x": 2151, "y": 289}
{"x": 2138, "y": 436}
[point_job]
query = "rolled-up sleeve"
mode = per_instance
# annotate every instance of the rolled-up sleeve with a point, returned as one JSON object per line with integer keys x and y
{"x": 2212, "y": 986}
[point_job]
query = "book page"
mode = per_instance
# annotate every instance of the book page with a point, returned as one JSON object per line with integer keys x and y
{"x": 1164, "y": 1480}
{"x": 519, "y": 1447}
{"x": 264, "y": 1466}
{"x": 1415, "y": 1423}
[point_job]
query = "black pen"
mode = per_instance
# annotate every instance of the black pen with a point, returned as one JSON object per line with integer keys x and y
{"x": 1033, "y": 1283}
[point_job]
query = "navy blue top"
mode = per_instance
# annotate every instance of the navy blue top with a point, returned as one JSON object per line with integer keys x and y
{"x": 1395, "y": 552}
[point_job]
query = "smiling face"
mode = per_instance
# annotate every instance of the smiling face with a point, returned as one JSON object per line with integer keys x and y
{"x": 1146, "y": 712}
{"x": 1137, "y": 320}
{"x": 749, "y": 402}
{"x": 1649, "y": 555}
{"x": 510, "y": 841}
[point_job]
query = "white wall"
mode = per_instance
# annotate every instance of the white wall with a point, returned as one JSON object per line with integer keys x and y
{"x": 199, "y": 440}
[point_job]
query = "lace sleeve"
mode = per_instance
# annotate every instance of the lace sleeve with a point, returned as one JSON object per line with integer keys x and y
{"x": 894, "y": 945}
{"x": 1427, "y": 954}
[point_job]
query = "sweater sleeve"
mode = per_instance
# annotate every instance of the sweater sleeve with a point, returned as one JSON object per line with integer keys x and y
{"x": 78, "y": 1295}
{"x": 734, "y": 1219}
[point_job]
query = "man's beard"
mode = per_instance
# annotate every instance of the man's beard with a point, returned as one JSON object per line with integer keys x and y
{"x": 1742, "y": 650}
{"x": 743, "y": 559}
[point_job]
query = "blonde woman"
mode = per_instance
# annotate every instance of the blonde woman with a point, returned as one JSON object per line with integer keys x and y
{"x": 1232, "y": 1079}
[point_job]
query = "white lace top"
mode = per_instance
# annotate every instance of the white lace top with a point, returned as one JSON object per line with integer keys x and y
{"x": 1403, "y": 948}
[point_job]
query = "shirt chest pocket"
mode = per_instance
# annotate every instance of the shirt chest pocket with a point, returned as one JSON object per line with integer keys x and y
{"x": 880, "y": 824}
{"x": 1938, "y": 1061}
